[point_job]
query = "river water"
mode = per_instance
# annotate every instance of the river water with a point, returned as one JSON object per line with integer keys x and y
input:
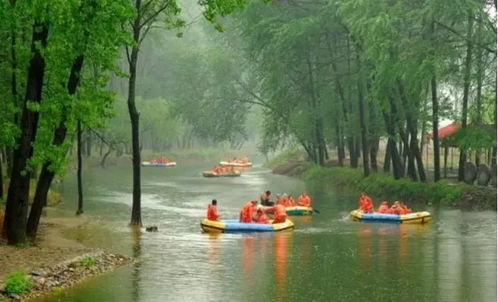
{"x": 326, "y": 258}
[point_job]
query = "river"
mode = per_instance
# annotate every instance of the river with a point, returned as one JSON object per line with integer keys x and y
{"x": 326, "y": 258}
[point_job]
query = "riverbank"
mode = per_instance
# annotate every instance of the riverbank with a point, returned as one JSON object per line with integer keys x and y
{"x": 56, "y": 261}
{"x": 382, "y": 186}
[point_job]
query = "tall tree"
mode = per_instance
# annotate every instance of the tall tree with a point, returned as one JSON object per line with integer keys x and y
{"x": 466, "y": 90}
{"x": 17, "y": 198}
{"x": 147, "y": 14}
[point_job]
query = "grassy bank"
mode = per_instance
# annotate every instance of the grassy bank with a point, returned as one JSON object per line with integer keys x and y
{"x": 383, "y": 186}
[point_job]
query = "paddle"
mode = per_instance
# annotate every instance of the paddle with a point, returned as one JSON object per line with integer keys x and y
{"x": 316, "y": 211}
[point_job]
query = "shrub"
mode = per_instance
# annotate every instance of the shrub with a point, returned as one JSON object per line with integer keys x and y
{"x": 17, "y": 283}
{"x": 384, "y": 186}
{"x": 23, "y": 245}
{"x": 88, "y": 261}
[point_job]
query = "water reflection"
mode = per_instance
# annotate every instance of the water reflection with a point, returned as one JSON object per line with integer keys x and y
{"x": 326, "y": 258}
{"x": 137, "y": 252}
{"x": 281, "y": 244}
{"x": 248, "y": 256}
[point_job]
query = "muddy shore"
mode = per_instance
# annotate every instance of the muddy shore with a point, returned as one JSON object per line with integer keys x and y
{"x": 55, "y": 261}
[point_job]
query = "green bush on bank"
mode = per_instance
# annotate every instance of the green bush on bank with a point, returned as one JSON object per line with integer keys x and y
{"x": 17, "y": 283}
{"x": 384, "y": 186}
{"x": 88, "y": 261}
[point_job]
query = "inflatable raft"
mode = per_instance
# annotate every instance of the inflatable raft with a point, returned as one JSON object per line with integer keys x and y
{"x": 417, "y": 217}
{"x": 234, "y": 226}
{"x": 235, "y": 164}
{"x": 298, "y": 211}
{"x": 214, "y": 174}
{"x": 149, "y": 164}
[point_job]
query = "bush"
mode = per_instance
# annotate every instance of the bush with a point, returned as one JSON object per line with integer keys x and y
{"x": 384, "y": 186}
{"x": 17, "y": 283}
{"x": 88, "y": 261}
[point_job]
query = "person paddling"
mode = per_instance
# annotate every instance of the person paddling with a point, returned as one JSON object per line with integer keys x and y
{"x": 212, "y": 211}
{"x": 247, "y": 211}
{"x": 366, "y": 204}
{"x": 304, "y": 200}
{"x": 280, "y": 214}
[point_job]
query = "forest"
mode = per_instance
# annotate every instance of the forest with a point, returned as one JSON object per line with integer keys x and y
{"x": 360, "y": 83}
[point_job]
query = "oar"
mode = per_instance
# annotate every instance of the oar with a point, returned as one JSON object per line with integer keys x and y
{"x": 316, "y": 211}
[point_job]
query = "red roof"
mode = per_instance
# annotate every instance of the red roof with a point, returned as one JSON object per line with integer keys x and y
{"x": 446, "y": 130}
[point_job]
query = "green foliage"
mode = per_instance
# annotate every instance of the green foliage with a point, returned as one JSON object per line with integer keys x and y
{"x": 88, "y": 261}
{"x": 23, "y": 245}
{"x": 383, "y": 186}
{"x": 475, "y": 137}
{"x": 17, "y": 283}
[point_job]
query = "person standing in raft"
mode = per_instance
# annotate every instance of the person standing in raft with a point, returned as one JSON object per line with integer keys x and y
{"x": 366, "y": 204}
{"x": 212, "y": 211}
{"x": 304, "y": 200}
{"x": 261, "y": 216}
{"x": 265, "y": 198}
{"x": 280, "y": 214}
{"x": 247, "y": 211}
{"x": 383, "y": 208}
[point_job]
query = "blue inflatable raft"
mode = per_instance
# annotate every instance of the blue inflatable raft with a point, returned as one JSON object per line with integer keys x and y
{"x": 417, "y": 217}
{"x": 234, "y": 226}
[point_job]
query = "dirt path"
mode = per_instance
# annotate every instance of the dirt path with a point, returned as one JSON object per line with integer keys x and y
{"x": 50, "y": 249}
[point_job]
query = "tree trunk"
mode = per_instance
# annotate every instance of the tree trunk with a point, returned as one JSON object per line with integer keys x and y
{"x": 387, "y": 157}
{"x": 340, "y": 146}
{"x": 479, "y": 87}
{"x": 391, "y": 149}
{"x": 136, "y": 217}
{"x": 363, "y": 127}
{"x": 435, "y": 128}
{"x": 353, "y": 157}
{"x": 445, "y": 161}
{"x": 412, "y": 128}
{"x": 46, "y": 175}
{"x": 17, "y": 199}
{"x": 104, "y": 158}
{"x": 1, "y": 181}
{"x": 374, "y": 148}
{"x": 80, "y": 183}
{"x": 466, "y": 86}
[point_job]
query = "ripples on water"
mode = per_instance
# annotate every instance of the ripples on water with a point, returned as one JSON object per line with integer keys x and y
{"x": 326, "y": 258}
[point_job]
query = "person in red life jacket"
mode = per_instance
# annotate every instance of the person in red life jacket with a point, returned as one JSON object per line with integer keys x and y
{"x": 280, "y": 200}
{"x": 285, "y": 200}
{"x": 261, "y": 216}
{"x": 366, "y": 204}
{"x": 247, "y": 211}
{"x": 304, "y": 200}
{"x": 290, "y": 201}
{"x": 212, "y": 210}
{"x": 383, "y": 208}
{"x": 405, "y": 208}
{"x": 395, "y": 208}
{"x": 279, "y": 213}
